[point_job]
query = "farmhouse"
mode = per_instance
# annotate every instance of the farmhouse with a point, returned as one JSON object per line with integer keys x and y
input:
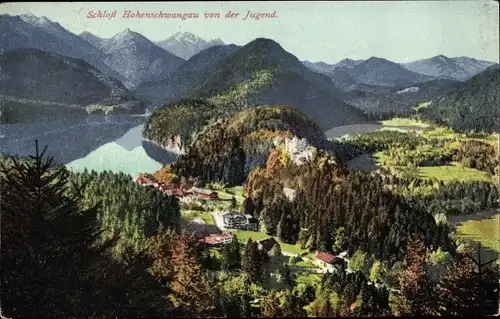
{"x": 203, "y": 193}
{"x": 217, "y": 239}
{"x": 327, "y": 261}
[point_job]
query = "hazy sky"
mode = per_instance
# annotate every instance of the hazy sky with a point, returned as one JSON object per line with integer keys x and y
{"x": 315, "y": 31}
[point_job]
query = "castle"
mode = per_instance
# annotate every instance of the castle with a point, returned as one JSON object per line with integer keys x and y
{"x": 299, "y": 150}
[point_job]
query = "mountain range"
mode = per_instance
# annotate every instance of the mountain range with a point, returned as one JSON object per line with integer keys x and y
{"x": 185, "y": 65}
{"x": 28, "y": 31}
{"x": 186, "y": 44}
{"x": 35, "y": 82}
{"x": 459, "y": 68}
{"x": 128, "y": 56}
{"x": 327, "y": 69}
{"x": 350, "y": 74}
{"x": 189, "y": 75}
{"x": 292, "y": 83}
{"x": 137, "y": 58}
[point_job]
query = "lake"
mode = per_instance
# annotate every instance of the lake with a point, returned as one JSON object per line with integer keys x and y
{"x": 95, "y": 143}
{"x": 348, "y": 130}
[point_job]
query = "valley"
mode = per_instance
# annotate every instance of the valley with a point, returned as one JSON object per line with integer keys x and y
{"x": 190, "y": 177}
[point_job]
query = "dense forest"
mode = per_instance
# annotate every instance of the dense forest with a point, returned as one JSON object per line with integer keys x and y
{"x": 469, "y": 108}
{"x": 405, "y": 152}
{"x": 123, "y": 206}
{"x": 333, "y": 204}
{"x": 68, "y": 270}
{"x": 59, "y": 261}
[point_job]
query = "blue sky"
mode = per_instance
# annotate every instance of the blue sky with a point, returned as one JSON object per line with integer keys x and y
{"x": 400, "y": 31}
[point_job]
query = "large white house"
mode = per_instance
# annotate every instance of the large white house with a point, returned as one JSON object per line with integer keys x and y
{"x": 236, "y": 220}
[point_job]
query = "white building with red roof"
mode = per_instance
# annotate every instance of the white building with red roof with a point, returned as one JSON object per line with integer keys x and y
{"x": 327, "y": 261}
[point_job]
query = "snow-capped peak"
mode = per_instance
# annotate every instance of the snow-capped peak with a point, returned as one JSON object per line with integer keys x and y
{"x": 33, "y": 19}
{"x": 126, "y": 34}
{"x": 185, "y": 36}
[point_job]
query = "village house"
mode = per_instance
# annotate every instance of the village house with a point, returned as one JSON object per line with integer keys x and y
{"x": 267, "y": 244}
{"x": 215, "y": 240}
{"x": 329, "y": 262}
{"x": 203, "y": 193}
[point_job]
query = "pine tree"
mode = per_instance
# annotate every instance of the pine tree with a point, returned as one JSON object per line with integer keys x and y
{"x": 416, "y": 295}
{"x": 372, "y": 302}
{"x": 281, "y": 227}
{"x": 231, "y": 255}
{"x": 249, "y": 206}
{"x": 322, "y": 306}
{"x": 303, "y": 237}
{"x": 48, "y": 243}
{"x": 191, "y": 289}
{"x": 252, "y": 262}
{"x": 276, "y": 251}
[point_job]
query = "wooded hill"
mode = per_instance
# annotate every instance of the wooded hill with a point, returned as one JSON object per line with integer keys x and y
{"x": 36, "y": 83}
{"x": 229, "y": 149}
{"x": 472, "y": 107}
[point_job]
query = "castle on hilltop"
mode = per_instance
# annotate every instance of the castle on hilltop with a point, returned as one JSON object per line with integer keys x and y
{"x": 299, "y": 150}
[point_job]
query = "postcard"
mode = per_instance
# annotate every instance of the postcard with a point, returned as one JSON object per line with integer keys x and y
{"x": 249, "y": 159}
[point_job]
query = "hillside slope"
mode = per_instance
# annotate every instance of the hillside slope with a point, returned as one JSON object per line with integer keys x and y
{"x": 35, "y": 82}
{"x": 473, "y": 106}
{"x": 380, "y": 102}
{"x": 187, "y": 76}
{"x": 29, "y": 31}
{"x": 292, "y": 83}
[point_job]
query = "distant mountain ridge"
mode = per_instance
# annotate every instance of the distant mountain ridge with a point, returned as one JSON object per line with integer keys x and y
{"x": 327, "y": 69}
{"x": 92, "y": 38}
{"x": 381, "y": 72}
{"x": 137, "y": 58}
{"x": 186, "y": 44}
{"x": 38, "y": 82}
{"x": 458, "y": 68}
{"x": 28, "y": 31}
